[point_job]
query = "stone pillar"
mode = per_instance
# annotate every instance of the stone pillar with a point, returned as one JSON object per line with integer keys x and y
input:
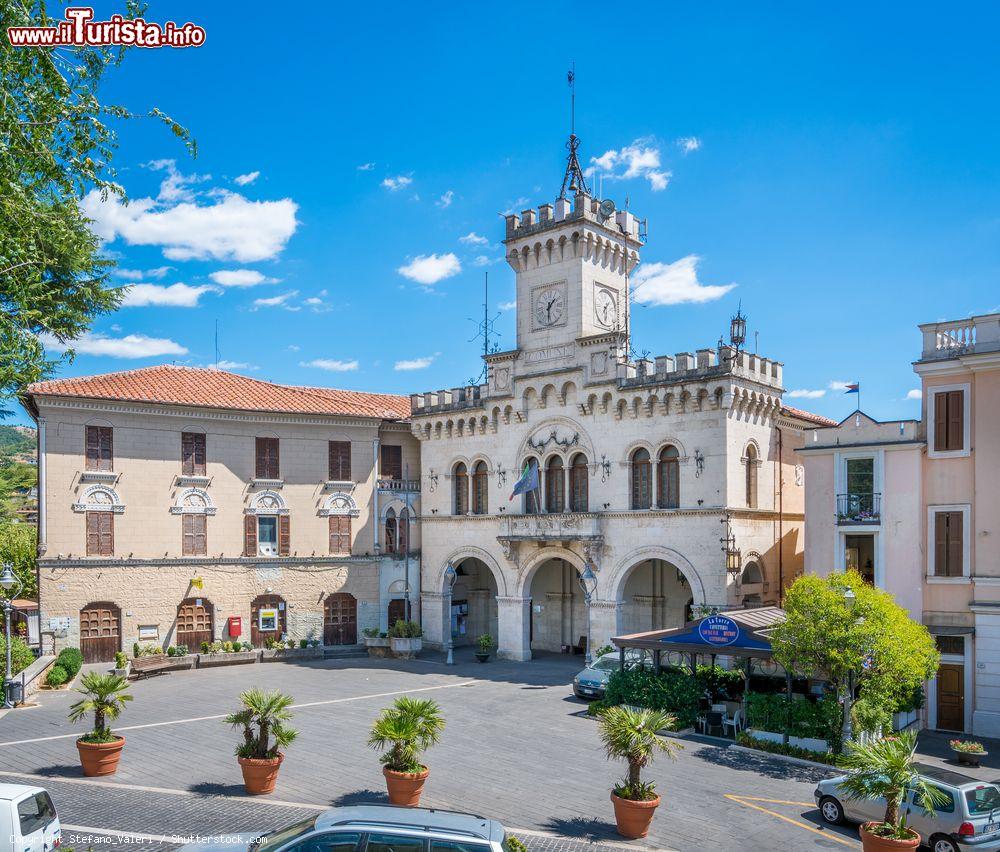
{"x": 605, "y": 622}
{"x": 435, "y": 610}
{"x": 514, "y": 627}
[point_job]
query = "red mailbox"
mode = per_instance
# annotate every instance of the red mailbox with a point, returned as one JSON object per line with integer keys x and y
{"x": 234, "y": 626}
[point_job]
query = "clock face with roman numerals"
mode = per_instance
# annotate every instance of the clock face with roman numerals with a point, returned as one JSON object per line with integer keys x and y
{"x": 550, "y": 305}
{"x": 605, "y": 308}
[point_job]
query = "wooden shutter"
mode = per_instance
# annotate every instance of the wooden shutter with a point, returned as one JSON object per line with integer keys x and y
{"x": 99, "y": 450}
{"x": 956, "y": 420}
{"x": 340, "y": 534}
{"x": 340, "y": 461}
{"x": 941, "y": 543}
{"x": 93, "y": 448}
{"x": 93, "y": 534}
{"x": 250, "y": 535}
{"x": 267, "y": 466}
{"x": 392, "y": 461}
{"x": 195, "y": 529}
{"x": 192, "y": 454}
{"x": 940, "y": 421}
{"x": 284, "y": 535}
{"x": 100, "y": 534}
{"x": 955, "y": 544}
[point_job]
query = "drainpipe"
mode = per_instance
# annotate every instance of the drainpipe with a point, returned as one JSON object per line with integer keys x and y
{"x": 41, "y": 520}
{"x": 781, "y": 518}
{"x": 377, "y": 523}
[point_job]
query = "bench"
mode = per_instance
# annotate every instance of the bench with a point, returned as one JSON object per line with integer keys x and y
{"x": 144, "y": 666}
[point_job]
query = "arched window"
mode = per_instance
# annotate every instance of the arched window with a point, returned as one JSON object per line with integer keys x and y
{"x": 668, "y": 485}
{"x": 751, "y": 476}
{"x": 403, "y": 541}
{"x": 578, "y": 484}
{"x": 390, "y": 531}
{"x": 480, "y": 487}
{"x": 555, "y": 485}
{"x": 642, "y": 490}
{"x": 530, "y": 503}
{"x": 461, "y": 484}
{"x": 752, "y": 574}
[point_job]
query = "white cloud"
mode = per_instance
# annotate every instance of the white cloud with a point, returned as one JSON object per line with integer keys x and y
{"x": 129, "y": 346}
{"x": 839, "y": 386}
{"x": 675, "y": 284}
{"x": 688, "y": 144}
{"x": 175, "y": 186}
{"x": 229, "y": 228}
{"x": 806, "y": 394}
{"x": 416, "y": 363}
{"x": 640, "y": 159}
{"x": 483, "y": 260}
{"x": 365, "y": 167}
{"x": 313, "y": 300}
{"x": 394, "y": 184}
{"x": 332, "y": 365}
{"x": 474, "y": 239}
{"x": 293, "y": 347}
{"x": 916, "y": 393}
{"x": 428, "y": 269}
{"x": 247, "y": 179}
{"x": 232, "y": 365}
{"x": 174, "y": 296}
{"x": 276, "y": 301}
{"x": 507, "y": 306}
{"x": 446, "y": 199}
{"x": 240, "y": 278}
{"x": 137, "y": 274}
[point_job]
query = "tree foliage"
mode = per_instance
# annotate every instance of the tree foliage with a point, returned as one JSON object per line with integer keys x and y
{"x": 404, "y": 731}
{"x": 104, "y": 696}
{"x": 631, "y": 735}
{"x": 263, "y": 723}
{"x": 57, "y": 140}
{"x": 18, "y": 546}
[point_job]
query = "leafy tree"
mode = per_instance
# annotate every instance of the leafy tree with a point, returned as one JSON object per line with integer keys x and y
{"x": 18, "y": 546}
{"x": 857, "y": 637}
{"x": 56, "y": 143}
{"x": 16, "y": 480}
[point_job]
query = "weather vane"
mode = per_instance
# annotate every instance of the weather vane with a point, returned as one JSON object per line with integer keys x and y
{"x": 573, "y": 179}
{"x": 486, "y": 330}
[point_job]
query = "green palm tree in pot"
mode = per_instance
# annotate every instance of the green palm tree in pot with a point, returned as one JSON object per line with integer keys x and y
{"x": 265, "y": 732}
{"x": 105, "y": 696}
{"x": 886, "y": 769}
{"x": 403, "y": 732}
{"x": 630, "y": 735}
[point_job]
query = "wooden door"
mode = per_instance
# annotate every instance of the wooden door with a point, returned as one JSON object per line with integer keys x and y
{"x": 100, "y": 632}
{"x": 951, "y": 697}
{"x": 257, "y": 636}
{"x": 195, "y": 623}
{"x": 397, "y": 610}
{"x": 340, "y": 624}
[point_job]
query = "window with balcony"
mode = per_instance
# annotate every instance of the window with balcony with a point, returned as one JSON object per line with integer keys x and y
{"x": 267, "y": 527}
{"x": 579, "y": 472}
{"x": 641, "y": 484}
{"x": 391, "y": 461}
{"x": 860, "y": 503}
{"x": 99, "y": 455}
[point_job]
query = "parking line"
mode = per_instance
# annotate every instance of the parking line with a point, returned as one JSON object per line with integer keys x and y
{"x": 748, "y": 801}
{"x": 304, "y": 705}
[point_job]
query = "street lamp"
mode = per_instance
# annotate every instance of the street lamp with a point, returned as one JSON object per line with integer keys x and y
{"x": 846, "y": 732}
{"x": 11, "y": 586}
{"x": 450, "y": 577}
{"x": 588, "y": 582}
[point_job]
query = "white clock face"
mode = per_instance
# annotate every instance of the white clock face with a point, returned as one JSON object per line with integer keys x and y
{"x": 606, "y": 308}
{"x": 549, "y": 306}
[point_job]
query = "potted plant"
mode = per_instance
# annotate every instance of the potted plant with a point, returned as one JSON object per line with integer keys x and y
{"x": 886, "y": 769}
{"x": 121, "y": 664}
{"x": 376, "y": 642}
{"x": 405, "y": 639}
{"x": 403, "y": 732}
{"x": 263, "y": 722}
{"x": 968, "y": 752}
{"x": 484, "y": 645}
{"x": 104, "y": 695}
{"x": 630, "y": 735}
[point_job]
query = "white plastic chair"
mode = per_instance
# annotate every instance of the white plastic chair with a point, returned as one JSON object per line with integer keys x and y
{"x": 735, "y": 722}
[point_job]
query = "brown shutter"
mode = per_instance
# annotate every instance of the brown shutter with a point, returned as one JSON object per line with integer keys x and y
{"x": 93, "y": 534}
{"x": 192, "y": 454}
{"x": 250, "y": 535}
{"x": 267, "y": 459}
{"x": 941, "y": 544}
{"x": 100, "y": 534}
{"x": 107, "y": 448}
{"x": 392, "y": 461}
{"x": 200, "y": 454}
{"x": 955, "y": 566}
{"x": 940, "y": 422}
{"x": 195, "y": 535}
{"x": 284, "y": 535}
{"x": 93, "y": 448}
{"x": 201, "y": 535}
{"x": 187, "y": 534}
{"x": 107, "y": 532}
{"x": 340, "y": 534}
{"x": 340, "y": 461}
{"x": 956, "y": 420}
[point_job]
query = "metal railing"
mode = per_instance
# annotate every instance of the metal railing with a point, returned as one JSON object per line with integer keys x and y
{"x": 861, "y": 508}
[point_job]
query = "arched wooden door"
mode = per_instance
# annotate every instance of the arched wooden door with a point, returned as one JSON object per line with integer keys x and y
{"x": 397, "y": 610}
{"x": 195, "y": 623}
{"x": 257, "y": 636}
{"x": 100, "y": 632}
{"x": 340, "y": 622}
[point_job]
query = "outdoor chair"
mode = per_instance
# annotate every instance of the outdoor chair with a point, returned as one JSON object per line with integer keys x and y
{"x": 714, "y": 721}
{"x": 735, "y": 722}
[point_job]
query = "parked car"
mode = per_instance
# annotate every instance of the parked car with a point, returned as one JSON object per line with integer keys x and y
{"x": 969, "y": 819}
{"x": 363, "y": 827}
{"x": 28, "y": 818}
{"x": 590, "y": 683}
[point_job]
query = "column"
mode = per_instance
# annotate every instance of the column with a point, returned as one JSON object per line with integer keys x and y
{"x": 605, "y": 622}
{"x": 514, "y": 616}
{"x": 435, "y": 610}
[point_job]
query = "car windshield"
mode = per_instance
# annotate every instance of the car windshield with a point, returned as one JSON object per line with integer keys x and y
{"x": 278, "y": 838}
{"x": 983, "y": 799}
{"x": 605, "y": 664}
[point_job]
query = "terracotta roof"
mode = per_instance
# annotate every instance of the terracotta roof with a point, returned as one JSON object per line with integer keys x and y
{"x": 171, "y": 385}
{"x": 818, "y": 419}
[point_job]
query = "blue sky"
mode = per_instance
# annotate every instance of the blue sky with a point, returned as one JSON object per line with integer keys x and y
{"x": 835, "y": 168}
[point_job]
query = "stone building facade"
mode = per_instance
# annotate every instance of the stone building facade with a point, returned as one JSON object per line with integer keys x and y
{"x": 176, "y": 499}
{"x": 644, "y": 466}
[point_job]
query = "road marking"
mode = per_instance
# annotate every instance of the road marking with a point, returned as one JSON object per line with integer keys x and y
{"x": 223, "y": 715}
{"x": 748, "y": 802}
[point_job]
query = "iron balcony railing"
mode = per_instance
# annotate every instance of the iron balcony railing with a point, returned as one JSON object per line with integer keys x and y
{"x": 863, "y": 508}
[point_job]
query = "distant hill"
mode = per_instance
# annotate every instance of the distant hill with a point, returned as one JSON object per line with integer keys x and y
{"x": 16, "y": 440}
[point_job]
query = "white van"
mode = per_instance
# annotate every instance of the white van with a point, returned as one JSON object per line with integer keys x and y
{"x": 28, "y": 820}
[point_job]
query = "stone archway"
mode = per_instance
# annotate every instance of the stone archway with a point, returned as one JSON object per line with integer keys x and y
{"x": 655, "y": 595}
{"x": 618, "y": 576}
{"x": 474, "y": 610}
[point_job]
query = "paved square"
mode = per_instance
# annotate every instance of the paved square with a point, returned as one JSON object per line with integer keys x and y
{"x": 514, "y": 748}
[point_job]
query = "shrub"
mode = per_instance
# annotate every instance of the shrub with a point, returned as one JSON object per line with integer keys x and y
{"x": 181, "y": 650}
{"x": 57, "y": 676}
{"x": 725, "y": 684}
{"x": 406, "y": 630}
{"x": 515, "y": 845}
{"x": 671, "y": 691}
{"x": 404, "y": 731}
{"x": 290, "y": 643}
{"x": 71, "y": 659}
{"x": 370, "y": 632}
{"x": 801, "y": 718}
{"x": 136, "y": 650}
{"x": 630, "y": 735}
{"x": 120, "y": 660}
{"x": 147, "y": 650}
{"x": 227, "y": 647}
{"x": 744, "y": 739}
{"x": 205, "y": 647}
{"x": 246, "y": 646}
{"x": 104, "y": 695}
{"x": 485, "y": 643}
{"x": 171, "y": 651}
{"x": 604, "y": 649}
{"x": 303, "y": 643}
{"x": 263, "y": 720}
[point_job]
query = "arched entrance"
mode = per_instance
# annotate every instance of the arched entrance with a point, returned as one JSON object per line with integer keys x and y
{"x": 340, "y": 619}
{"x": 558, "y": 609}
{"x": 100, "y": 632}
{"x": 655, "y": 596}
{"x": 473, "y": 602}
{"x": 274, "y": 625}
{"x": 195, "y": 623}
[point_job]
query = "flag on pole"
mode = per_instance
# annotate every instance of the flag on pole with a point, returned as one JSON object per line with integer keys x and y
{"x": 527, "y": 482}
{"x": 855, "y": 388}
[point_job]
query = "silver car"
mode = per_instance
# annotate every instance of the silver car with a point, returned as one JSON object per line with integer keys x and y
{"x": 590, "y": 683}
{"x": 370, "y": 828}
{"x": 969, "y": 819}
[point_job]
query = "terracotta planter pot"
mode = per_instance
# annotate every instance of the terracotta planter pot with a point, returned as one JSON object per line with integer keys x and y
{"x": 100, "y": 758}
{"x": 260, "y": 776}
{"x": 405, "y": 787}
{"x": 873, "y": 843}
{"x": 633, "y": 818}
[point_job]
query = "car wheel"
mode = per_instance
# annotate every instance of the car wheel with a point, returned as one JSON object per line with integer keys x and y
{"x": 940, "y": 843}
{"x": 832, "y": 811}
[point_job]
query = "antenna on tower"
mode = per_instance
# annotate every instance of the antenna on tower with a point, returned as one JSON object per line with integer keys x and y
{"x": 217, "y": 356}
{"x": 486, "y": 330}
{"x": 573, "y": 179}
